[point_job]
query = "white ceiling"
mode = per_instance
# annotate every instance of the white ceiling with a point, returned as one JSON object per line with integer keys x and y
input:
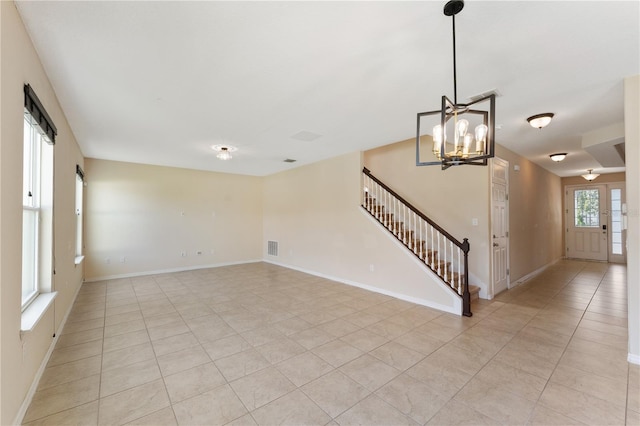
{"x": 160, "y": 82}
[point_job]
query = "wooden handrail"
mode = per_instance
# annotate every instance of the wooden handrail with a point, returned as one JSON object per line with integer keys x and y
{"x": 462, "y": 246}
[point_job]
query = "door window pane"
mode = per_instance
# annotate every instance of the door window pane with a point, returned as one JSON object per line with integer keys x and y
{"x": 587, "y": 208}
{"x": 616, "y": 221}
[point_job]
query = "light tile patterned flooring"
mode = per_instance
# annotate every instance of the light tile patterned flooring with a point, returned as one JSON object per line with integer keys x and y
{"x": 260, "y": 344}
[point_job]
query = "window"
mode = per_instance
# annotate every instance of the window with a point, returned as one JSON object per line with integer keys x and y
{"x": 37, "y": 200}
{"x": 79, "y": 215}
{"x": 587, "y": 208}
{"x": 616, "y": 221}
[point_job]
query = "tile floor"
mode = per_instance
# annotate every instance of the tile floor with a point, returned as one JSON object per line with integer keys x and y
{"x": 260, "y": 344}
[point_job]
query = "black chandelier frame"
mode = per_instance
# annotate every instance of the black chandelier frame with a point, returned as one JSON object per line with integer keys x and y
{"x": 453, "y": 109}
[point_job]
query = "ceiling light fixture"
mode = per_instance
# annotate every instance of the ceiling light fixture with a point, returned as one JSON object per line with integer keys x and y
{"x": 224, "y": 151}
{"x": 472, "y": 128}
{"x": 590, "y": 176}
{"x": 558, "y": 156}
{"x": 540, "y": 120}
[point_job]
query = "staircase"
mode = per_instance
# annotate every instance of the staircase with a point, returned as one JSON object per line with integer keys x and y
{"x": 440, "y": 251}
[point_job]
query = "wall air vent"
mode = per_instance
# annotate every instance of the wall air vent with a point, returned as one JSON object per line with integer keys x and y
{"x": 272, "y": 248}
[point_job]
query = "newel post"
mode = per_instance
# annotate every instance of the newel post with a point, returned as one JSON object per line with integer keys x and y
{"x": 466, "y": 296}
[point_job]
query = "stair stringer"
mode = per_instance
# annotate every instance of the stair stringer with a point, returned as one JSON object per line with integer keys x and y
{"x": 454, "y": 304}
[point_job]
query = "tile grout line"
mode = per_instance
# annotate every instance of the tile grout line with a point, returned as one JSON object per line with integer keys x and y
{"x": 570, "y": 339}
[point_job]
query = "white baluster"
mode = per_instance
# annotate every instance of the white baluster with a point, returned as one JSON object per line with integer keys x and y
{"x": 395, "y": 216}
{"x": 368, "y": 185}
{"x": 459, "y": 280}
{"x": 388, "y": 217}
{"x": 378, "y": 201}
{"x": 406, "y": 226}
{"x": 421, "y": 245}
{"x": 432, "y": 246}
{"x": 439, "y": 253}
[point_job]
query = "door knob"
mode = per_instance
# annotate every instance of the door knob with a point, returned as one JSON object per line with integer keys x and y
{"x": 495, "y": 244}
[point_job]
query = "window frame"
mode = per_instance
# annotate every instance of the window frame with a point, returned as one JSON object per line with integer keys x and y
{"x": 31, "y": 187}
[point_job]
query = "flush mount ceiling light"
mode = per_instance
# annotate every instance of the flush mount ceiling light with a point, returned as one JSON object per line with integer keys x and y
{"x": 590, "y": 176}
{"x": 540, "y": 120}
{"x": 224, "y": 151}
{"x": 471, "y": 126}
{"x": 558, "y": 156}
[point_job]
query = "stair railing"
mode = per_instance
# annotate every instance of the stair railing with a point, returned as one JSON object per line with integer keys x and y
{"x": 439, "y": 250}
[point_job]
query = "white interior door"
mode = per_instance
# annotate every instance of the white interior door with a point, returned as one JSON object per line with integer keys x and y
{"x": 587, "y": 234}
{"x": 500, "y": 225}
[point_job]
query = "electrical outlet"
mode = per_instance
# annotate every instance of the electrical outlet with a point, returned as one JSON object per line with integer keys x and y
{"x": 123, "y": 259}
{"x": 372, "y": 268}
{"x": 183, "y": 253}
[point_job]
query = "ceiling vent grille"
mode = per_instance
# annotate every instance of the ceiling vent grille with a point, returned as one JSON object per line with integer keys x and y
{"x": 484, "y": 95}
{"x": 272, "y": 248}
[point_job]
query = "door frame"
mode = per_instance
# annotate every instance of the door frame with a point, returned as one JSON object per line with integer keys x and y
{"x": 569, "y": 211}
{"x": 568, "y": 204}
{"x": 491, "y": 292}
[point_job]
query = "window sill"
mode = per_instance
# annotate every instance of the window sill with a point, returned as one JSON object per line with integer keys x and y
{"x": 78, "y": 260}
{"x": 35, "y": 311}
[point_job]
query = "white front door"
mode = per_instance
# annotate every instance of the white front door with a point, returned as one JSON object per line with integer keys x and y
{"x": 500, "y": 225}
{"x": 587, "y": 233}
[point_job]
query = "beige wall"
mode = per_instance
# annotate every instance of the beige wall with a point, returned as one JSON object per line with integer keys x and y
{"x": 314, "y": 214}
{"x": 452, "y": 198}
{"x": 535, "y": 216}
{"x": 148, "y": 215}
{"x": 632, "y": 147}
{"x": 20, "y": 358}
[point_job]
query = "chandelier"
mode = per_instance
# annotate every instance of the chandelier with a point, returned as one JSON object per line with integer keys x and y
{"x": 590, "y": 176}
{"x": 460, "y": 133}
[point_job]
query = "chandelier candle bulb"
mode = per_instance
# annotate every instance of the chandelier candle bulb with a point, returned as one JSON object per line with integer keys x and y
{"x": 468, "y": 141}
{"x": 481, "y": 134}
{"x": 437, "y": 139}
{"x": 461, "y": 131}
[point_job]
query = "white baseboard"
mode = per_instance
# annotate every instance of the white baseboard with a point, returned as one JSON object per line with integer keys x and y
{"x": 436, "y": 279}
{"x": 36, "y": 381}
{"x": 170, "y": 270}
{"x": 538, "y": 271}
{"x": 456, "y": 310}
{"x": 633, "y": 359}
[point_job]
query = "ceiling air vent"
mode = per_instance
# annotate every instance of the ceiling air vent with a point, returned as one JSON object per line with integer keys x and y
{"x": 306, "y": 136}
{"x": 484, "y": 94}
{"x": 272, "y": 248}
